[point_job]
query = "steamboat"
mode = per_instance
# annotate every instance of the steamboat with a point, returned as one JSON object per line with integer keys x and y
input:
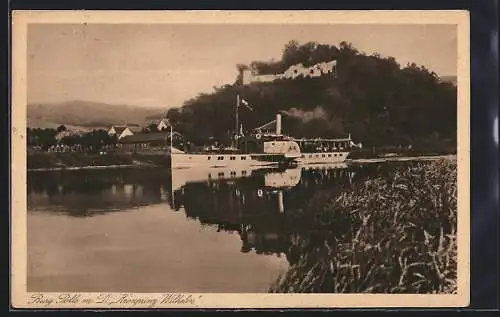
{"x": 265, "y": 147}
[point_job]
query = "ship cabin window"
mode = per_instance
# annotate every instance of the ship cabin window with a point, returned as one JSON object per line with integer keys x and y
{"x": 221, "y": 174}
{"x": 317, "y": 155}
{"x": 335, "y": 155}
{"x": 220, "y": 158}
{"x": 322, "y": 155}
{"x": 243, "y": 172}
{"x": 233, "y": 173}
{"x": 243, "y": 158}
{"x": 209, "y": 158}
{"x": 329, "y": 155}
{"x": 303, "y": 156}
{"x": 232, "y": 158}
{"x": 272, "y": 143}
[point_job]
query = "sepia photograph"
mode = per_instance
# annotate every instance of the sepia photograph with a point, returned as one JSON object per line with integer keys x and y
{"x": 240, "y": 159}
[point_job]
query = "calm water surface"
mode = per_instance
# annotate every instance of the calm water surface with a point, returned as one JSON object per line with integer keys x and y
{"x": 156, "y": 230}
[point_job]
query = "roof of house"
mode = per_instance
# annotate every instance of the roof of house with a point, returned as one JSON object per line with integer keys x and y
{"x": 159, "y": 121}
{"x": 119, "y": 129}
{"x": 147, "y": 137}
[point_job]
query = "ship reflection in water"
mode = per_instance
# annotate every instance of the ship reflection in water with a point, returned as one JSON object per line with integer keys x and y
{"x": 218, "y": 230}
{"x": 268, "y": 208}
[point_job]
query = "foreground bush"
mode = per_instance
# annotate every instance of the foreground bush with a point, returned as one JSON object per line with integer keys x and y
{"x": 399, "y": 237}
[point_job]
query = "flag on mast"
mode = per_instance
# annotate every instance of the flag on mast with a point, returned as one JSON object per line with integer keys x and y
{"x": 246, "y": 104}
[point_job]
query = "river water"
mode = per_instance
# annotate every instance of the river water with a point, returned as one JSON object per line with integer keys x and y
{"x": 156, "y": 230}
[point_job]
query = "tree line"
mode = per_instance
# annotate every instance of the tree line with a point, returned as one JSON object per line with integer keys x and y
{"x": 92, "y": 140}
{"x": 376, "y": 100}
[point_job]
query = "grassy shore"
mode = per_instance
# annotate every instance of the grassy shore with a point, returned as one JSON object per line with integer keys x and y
{"x": 368, "y": 153}
{"x": 88, "y": 160}
{"x": 401, "y": 237}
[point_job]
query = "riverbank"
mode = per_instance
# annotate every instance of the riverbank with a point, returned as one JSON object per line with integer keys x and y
{"x": 74, "y": 161}
{"x": 38, "y": 162}
{"x": 402, "y": 159}
{"x": 402, "y": 236}
{"x": 392, "y": 151}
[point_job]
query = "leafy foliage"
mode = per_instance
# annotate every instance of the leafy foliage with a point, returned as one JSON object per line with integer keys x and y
{"x": 44, "y": 138}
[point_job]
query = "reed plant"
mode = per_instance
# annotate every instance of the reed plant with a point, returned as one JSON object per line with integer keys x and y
{"x": 398, "y": 236}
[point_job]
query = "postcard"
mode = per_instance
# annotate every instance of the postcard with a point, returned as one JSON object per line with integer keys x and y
{"x": 240, "y": 159}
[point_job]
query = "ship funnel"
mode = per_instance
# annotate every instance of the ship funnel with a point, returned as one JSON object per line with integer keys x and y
{"x": 278, "y": 123}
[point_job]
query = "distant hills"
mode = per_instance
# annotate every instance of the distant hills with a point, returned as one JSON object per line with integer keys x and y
{"x": 449, "y": 79}
{"x": 86, "y": 115}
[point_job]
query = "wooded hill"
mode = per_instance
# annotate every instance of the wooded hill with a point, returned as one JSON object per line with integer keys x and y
{"x": 372, "y": 97}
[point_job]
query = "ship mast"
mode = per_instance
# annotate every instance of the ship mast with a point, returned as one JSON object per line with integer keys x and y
{"x": 237, "y": 121}
{"x": 171, "y": 138}
{"x": 237, "y": 126}
{"x": 172, "y": 164}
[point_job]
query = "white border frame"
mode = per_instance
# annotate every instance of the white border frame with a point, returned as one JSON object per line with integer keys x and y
{"x": 20, "y": 21}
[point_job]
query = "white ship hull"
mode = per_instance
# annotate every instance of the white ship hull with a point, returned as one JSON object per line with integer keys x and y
{"x": 322, "y": 157}
{"x": 272, "y": 178}
{"x": 186, "y": 160}
{"x": 182, "y": 176}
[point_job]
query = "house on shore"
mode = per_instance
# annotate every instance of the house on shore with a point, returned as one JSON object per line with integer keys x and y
{"x": 158, "y": 125}
{"x": 163, "y": 125}
{"x": 123, "y": 131}
{"x": 148, "y": 142}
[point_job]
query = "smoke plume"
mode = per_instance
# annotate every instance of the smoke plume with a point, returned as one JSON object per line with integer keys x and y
{"x": 314, "y": 123}
{"x": 307, "y": 116}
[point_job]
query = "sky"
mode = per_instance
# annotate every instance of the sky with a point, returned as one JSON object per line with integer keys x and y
{"x": 163, "y": 65}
